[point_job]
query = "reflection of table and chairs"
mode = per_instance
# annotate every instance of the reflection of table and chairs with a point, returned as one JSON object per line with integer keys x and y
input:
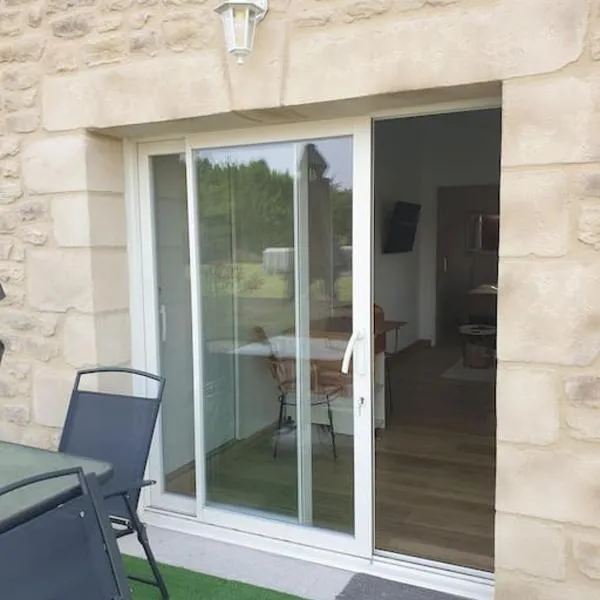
{"x": 62, "y": 512}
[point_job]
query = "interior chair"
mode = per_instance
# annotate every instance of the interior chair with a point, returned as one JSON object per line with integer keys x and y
{"x": 63, "y": 545}
{"x": 112, "y": 419}
{"x": 325, "y": 385}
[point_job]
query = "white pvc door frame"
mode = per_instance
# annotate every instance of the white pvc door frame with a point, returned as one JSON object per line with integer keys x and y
{"x": 145, "y": 321}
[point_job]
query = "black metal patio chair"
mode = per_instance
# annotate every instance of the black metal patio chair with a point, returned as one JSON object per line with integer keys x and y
{"x": 62, "y": 546}
{"x": 117, "y": 427}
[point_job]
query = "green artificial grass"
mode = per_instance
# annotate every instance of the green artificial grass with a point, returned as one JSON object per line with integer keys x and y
{"x": 187, "y": 585}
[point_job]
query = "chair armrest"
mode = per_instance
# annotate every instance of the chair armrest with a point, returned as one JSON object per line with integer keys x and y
{"x": 131, "y": 488}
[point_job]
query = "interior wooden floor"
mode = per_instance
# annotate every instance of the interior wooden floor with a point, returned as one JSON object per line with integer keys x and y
{"x": 434, "y": 468}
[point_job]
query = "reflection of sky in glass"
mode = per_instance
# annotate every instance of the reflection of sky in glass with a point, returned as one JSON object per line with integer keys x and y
{"x": 280, "y": 157}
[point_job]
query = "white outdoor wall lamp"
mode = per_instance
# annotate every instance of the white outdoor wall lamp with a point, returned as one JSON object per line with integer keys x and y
{"x": 240, "y": 18}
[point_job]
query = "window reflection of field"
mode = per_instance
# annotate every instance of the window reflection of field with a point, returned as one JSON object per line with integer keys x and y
{"x": 262, "y": 299}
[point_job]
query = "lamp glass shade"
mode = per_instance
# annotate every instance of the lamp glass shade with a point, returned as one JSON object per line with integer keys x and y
{"x": 239, "y": 25}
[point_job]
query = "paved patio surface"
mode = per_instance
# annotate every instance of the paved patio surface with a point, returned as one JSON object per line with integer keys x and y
{"x": 307, "y": 580}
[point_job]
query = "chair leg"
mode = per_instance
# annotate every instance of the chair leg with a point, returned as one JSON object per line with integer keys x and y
{"x": 142, "y": 536}
{"x": 331, "y": 429}
{"x": 279, "y": 424}
{"x": 388, "y": 385}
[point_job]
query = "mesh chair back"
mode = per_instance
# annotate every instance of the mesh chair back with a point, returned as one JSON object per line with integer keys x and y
{"x": 114, "y": 427}
{"x": 64, "y": 551}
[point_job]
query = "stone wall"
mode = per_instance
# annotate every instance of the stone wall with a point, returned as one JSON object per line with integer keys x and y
{"x": 70, "y": 67}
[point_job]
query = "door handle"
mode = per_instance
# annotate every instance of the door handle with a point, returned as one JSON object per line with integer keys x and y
{"x": 356, "y": 335}
{"x": 445, "y": 264}
{"x": 163, "y": 323}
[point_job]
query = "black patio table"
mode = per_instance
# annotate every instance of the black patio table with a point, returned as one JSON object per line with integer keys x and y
{"x": 18, "y": 462}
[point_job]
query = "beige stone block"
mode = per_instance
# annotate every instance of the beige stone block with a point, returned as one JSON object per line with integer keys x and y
{"x": 58, "y": 6}
{"x": 110, "y": 280}
{"x": 265, "y": 64}
{"x": 555, "y": 485}
{"x": 113, "y": 339}
{"x": 582, "y": 410}
{"x": 83, "y": 220}
{"x": 79, "y": 340}
{"x": 535, "y": 213}
{"x": 71, "y": 220}
{"x": 51, "y": 392}
{"x": 36, "y": 235}
{"x": 10, "y": 432}
{"x": 44, "y": 325}
{"x": 381, "y": 55}
{"x": 552, "y": 120}
{"x": 102, "y": 339}
{"x": 105, "y": 50}
{"x": 588, "y": 224}
{"x": 73, "y": 26}
{"x": 59, "y": 280}
{"x": 9, "y": 146}
{"x": 145, "y": 42}
{"x": 534, "y": 547}
{"x": 192, "y": 29}
{"x": 22, "y": 50}
{"x": 32, "y": 210}
{"x": 108, "y": 220}
{"x": 14, "y": 413}
{"x": 586, "y": 552}
{"x": 109, "y": 23}
{"x": 512, "y": 586}
{"x": 545, "y": 314}
{"x": 9, "y": 190}
{"x": 55, "y": 164}
{"x": 527, "y": 405}
{"x": 73, "y": 163}
{"x": 6, "y": 247}
{"x": 14, "y": 101}
{"x": 22, "y": 77}
{"x": 11, "y": 23}
{"x": 105, "y": 169}
{"x": 166, "y": 88}
{"x": 24, "y": 121}
{"x": 40, "y": 437}
{"x": 62, "y": 58}
{"x": 35, "y": 15}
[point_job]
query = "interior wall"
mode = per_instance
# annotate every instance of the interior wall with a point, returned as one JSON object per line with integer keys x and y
{"x": 413, "y": 158}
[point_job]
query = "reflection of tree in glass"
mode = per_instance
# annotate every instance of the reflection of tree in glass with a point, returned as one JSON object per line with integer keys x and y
{"x": 251, "y": 206}
{"x": 224, "y": 279}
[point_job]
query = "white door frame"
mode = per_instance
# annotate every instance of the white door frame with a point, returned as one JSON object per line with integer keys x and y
{"x": 146, "y": 355}
{"x": 451, "y": 579}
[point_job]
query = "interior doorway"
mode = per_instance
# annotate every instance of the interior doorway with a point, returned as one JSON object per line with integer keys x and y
{"x": 436, "y": 208}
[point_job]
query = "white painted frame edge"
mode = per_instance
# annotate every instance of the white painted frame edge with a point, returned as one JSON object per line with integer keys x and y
{"x": 362, "y": 540}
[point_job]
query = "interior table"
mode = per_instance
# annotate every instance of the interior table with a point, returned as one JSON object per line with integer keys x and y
{"x": 18, "y": 462}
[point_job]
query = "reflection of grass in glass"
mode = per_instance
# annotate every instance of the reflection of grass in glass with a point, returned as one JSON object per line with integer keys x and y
{"x": 262, "y": 299}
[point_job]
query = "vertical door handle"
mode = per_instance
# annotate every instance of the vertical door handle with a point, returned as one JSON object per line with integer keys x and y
{"x": 445, "y": 264}
{"x": 163, "y": 323}
{"x": 356, "y": 335}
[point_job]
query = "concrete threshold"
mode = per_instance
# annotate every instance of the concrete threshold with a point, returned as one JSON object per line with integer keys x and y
{"x": 289, "y": 575}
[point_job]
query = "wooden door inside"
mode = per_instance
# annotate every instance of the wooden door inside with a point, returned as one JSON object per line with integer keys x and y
{"x": 467, "y": 256}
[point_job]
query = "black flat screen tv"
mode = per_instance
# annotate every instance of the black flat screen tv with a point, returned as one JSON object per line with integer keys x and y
{"x": 401, "y": 229}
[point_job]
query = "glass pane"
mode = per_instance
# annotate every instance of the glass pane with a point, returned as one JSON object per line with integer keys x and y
{"x": 174, "y": 304}
{"x": 275, "y": 226}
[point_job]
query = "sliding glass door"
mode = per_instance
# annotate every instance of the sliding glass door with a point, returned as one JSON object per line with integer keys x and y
{"x": 265, "y": 317}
